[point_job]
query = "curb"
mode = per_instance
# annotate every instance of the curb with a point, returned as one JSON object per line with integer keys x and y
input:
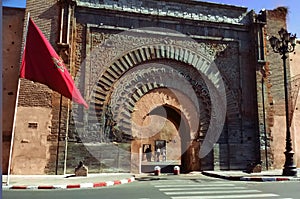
{"x": 251, "y": 178}
{"x": 72, "y": 186}
{"x": 235, "y": 178}
{"x": 269, "y": 179}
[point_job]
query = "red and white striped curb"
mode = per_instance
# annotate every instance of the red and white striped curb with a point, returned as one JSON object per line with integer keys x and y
{"x": 72, "y": 186}
{"x": 269, "y": 179}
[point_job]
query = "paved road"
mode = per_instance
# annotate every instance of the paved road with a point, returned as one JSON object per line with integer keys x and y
{"x": 199, "y": 189}
{"x": 171, "y": 187}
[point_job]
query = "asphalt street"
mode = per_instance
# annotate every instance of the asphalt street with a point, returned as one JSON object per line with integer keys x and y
{"x": 171, "y": 187}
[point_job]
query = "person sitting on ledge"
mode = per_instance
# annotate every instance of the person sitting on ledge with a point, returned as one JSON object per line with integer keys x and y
{"x": 81, "y": 169}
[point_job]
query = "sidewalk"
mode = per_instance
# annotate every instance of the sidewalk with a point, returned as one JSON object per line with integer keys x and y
{"x": 264, "y": 176}
{"x": 65, "y": 181}
{"x": 110, "y": 179}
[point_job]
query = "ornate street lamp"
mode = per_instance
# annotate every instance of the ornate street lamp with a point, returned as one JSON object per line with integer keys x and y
{"x": 284, "y": 45}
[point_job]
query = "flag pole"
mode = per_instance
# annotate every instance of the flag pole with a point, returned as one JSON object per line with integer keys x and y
{"x": 13, "y": 133}
{"x": 58, "y": 135}
{"x": 66, "y": 139}
{"x": 16, "y": 108}
{"x": 68, "y": 106}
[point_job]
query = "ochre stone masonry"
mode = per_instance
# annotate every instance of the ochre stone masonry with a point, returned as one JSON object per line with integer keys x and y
{"x": 12, "y": 33}
{"x": 274, "y": 93}
{"x": 295, "y": 74}
{"x": 155, "y": 75}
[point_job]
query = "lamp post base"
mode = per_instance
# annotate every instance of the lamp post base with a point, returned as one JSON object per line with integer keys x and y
{"x": 289, "y": 171}
{"x": 290, "y": 168}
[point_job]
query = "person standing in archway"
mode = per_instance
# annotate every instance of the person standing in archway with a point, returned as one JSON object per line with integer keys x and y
{"x": 148, "y": 152}
{"x": 163, "y": 153}
{"x": 157, "y": 154}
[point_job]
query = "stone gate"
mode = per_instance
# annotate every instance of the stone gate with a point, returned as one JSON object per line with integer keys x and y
{"x": 181, "y": 78}
{"x": 183, "y": 62}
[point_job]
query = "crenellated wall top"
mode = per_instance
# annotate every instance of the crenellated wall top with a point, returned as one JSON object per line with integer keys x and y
{"x": 190, "y": 10}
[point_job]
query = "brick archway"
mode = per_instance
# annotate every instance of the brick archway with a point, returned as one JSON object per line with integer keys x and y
{"x": 189, "y": 160}
{"x": 163, "y": 118}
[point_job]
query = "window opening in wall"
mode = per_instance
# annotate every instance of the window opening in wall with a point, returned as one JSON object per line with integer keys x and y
{"x": 32, "y": 125}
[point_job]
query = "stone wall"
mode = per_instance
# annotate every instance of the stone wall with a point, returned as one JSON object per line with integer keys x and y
{"x": 32, "y": 148}
{"x": 274, "y": 103}
{"x": 99, "y": 157}
{"x": 223, "y": 35}
{"x": 43, "y": 102}
{"x": 11, "y": 50}
{"x": 295, "y": 77}
{"x": 190, "y": 10}
{"x": 237, "y": 62}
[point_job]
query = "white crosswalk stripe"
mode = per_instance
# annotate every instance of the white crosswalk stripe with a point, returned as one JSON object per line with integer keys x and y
{"x": 186, "y": 189}
{"x": 196, "y": 185}
{"x": 212, "y": 192}
{"x": 200, "y": 188}
{"x": 228, "y": 196}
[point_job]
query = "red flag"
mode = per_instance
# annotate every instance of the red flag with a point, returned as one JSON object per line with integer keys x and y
{"x": 40, "y": 63}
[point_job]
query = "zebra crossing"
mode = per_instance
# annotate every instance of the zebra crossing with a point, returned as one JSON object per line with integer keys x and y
{"x": 186, "y": 189}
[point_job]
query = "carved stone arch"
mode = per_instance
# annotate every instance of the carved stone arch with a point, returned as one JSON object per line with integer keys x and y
{"x": 101, "y": 93}
{"x": 131, "y": 89}
{"x": 139, "y": 89}
{"x": 102, "y": 89}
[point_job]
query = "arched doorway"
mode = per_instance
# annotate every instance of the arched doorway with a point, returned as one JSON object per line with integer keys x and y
{"x": 162, "y": 124}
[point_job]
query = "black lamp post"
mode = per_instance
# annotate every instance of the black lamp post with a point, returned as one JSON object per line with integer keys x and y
{"x": 284, "y": 45}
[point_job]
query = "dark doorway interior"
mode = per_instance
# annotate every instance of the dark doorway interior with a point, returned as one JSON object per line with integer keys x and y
{"x": 179, "y": 120}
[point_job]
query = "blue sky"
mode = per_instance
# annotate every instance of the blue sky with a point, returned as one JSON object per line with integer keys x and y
{"x": 293, "y": 18}
{"x": 293, "y": 6}
{"x": 14, "y": 3}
